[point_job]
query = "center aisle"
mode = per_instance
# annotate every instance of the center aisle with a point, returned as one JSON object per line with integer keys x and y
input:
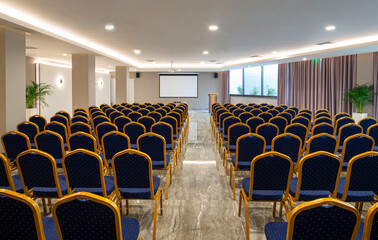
{"x": 200, "y": 205}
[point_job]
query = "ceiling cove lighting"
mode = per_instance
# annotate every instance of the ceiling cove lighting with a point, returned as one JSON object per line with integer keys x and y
{"x": 137, "y": 51}
{"x": 213, "y": 27}
{"x": 330, "y": 28}
{"x": 304, "y": 59}
{"x": 205, "y": 52}
{"x": 65, "y": 54}
{"x": 61, "y": 64}
{"x": 109, "y": 27}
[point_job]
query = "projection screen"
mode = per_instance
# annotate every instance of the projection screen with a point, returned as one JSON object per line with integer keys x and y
{"x": 178, "y": 85}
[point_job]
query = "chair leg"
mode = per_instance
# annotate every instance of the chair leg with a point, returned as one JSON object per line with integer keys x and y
{"x": 242, "y": 194}
{"x": 120, "y": 206}
{"x": 274, "y": 209}
{"x": 167, "y": 184}
{"x": 361, "y": 206}
{"x": 44, "y": 205}
{"x": 174, "y": 162}
{"x": 357, "y": 205}
{"x": 281, "y": 205}
{"x": 240, "y": 200}
{"x": 127, "y": 206}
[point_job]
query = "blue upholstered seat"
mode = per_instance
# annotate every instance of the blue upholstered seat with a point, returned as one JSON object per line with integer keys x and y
{"x": 276, "y": 230}
{"x": 353, "y": 196}
{"x": 270, "y": 195}
{"x": 140, "y": 192}
{"x": 306, "y": 195}
{"x": 160, "y": 164}
{"x": 17, "y": 183}
{"x": 59, "y": 162}
{"x": 232, "y": 148}
{"x": 133, "y": 146}
{"x": 268, "y": 148}
{"x": 169, "y": 146}
{"x": 130, "y": 228}
{"x": 360, "y": 231}
{"x": 49, "y": 228}
{"x": 241, "y": 164}
{"x": 51, "y": 191}
{"x": 109, "y": 184}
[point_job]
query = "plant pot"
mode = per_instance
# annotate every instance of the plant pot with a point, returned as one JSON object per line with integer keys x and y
{"x": 30, "y": 112}
{"x": 358, "y": 116}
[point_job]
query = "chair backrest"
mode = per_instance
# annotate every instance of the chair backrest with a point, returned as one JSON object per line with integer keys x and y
{"x": 323, "y": 114}
{"x": 38, "y": 170}
{"x": 171, "y": 121}
{"x": 80, "y": 127}
{"x": 147, "y": 122}
{"x": 161, "y": 111}
{"x": 165, "y": 130}
{"x": 264, "y": 108}
{"x": 121, "y": 121}
{"x": 6, "y": 181}
{"x": 82, "y": 140}
{"x": 104, "y": 128}
{"x": 322, "y": 142}
{"x": 155, "y": 115}
{"x": 14, "y": 143}
{"x": 301, "y": 120}
{"x": 340, "y": 115}
{"x": 270, "y": 171}
{"x": 109, "y": 111}
{"x": 248, "y": 147}
{"x": 98, "y": 120}
{"x": 98, "y": 113}
{"x": 299, "y": 130}
{"x": 134, "y": 116}
{"x": 319, "y": 171}
{"x": 279, "y": 109}
{"x": 153, "y": 145}
{"x": 60, "y": 119}
{"x": 362, "y": 174}
{"x": 305, "y": 110}
{"x": 133, "y": 130}
{"x": 365, "y": 123}
{"x": 355, "y": 145}
{"x": 289, "y": 145}
{"x": 347, "y": 131}
{"x": 177, "y": 116}
{"x": 58, "y": 128}
{"x": 322, "y": 128}
{"x": 114, "y": 115}
{"x": 295, "y": 109}
{"x": 321, "y": 110}
{"x": 286, "y": 115}
{"x": 78, "y": 118}
{"x": 292, "y": 112}
{"x": 20, "y": 217}
{"x": 133, "y": 169}
{"x": 29, "y": 129}
{"x": 256, "y": 112}
{"x": 237, "y": 112}
{"x": 65, "y": 114}
{"x": 266, "y": 116}
{"x": 254, "y": 122}
{"x": 144, "y": 111}
{"x": 222, "y": 117}
{"x": 245, "y": 116}
{"x": 322, "y": 120}
{"x": 114, "y": 142}
{"x": 51, "y": 143}
{"x": 333, "y": 219}
{"x": 280, "y": 122}
{"x": 84, "y": 214}
{"x": 126, "y": 111}
{"x": 84, "y": 169}
{"x": 227, "y": 122}
{"x": 371, "y": 223}
{"x": 39, "y": 120}
{"x": 341, "y": 122}
{"x": 373, "y": 132}
{"x": 235, "y": 131}
{"x": 268, "y": 131}
{"x": 274, "y": 112}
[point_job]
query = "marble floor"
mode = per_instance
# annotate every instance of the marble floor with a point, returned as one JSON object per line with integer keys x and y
{"x": 200, "y": 204}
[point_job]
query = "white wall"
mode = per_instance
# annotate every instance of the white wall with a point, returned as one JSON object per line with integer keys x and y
{"x": 61, "y": 99}
{"x": 102, "y": 91}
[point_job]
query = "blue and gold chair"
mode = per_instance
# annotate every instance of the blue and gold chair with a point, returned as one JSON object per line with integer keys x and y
{"x": 305, "y": 110}
{"x": 88, "y": 216}
{"x": 295, "y": 109}
{"x": 143, "y": 111}
{"x": 84, "y": 171}
{"x": 324, "y": 218}
{"x": 292, "y": 112}
{"x": 373, "y": 132}
{"x": 264, "y": 108}
{"x": 321, "y": 110}
{"x": 274, "y": 112}
{"x": 82, "y": 140}
{"x": 121, "y": 121}
{"x": 345, "y": 132}
{"x": 114, "y": 142}
{"x": 147, "y": 122}
{"x": 323, "y": 114}
{"x": 322, "y": 128}
{"x": 135, "y": 108}
{"x": 60, "y": 129}
{"x": 237, "y": 112}
{"x": 7, "y": 181}
{"x": 60, "y": 119}
{"x": 155, "y": 115}
{"x": 161, "y": 111}
{"x": 98, "y": 120}
{"x": 114, "y": 115}
{"x": 104, "y": 128}
{"x": 51, "y": 143}
{"x": 280, "y": 122}
{"x": 133, "y": 130}
{"x": 256, "y": 112}
{"x": 268, "y": 131}
{"x": 360, "y": 183}
{"x": 286, "y": 115}
{"x": 153, "y": 145}
{"x": 81, "y": 119}
{"x": 80, "y": 127}
{"x": 355, "y": 145}
{"x": 14, "y": 143}
{"x": 289, "y": 145}
{"x": 323, "y": 120}
{"x": 223, "y": 137}
{"x": 40, "y": 177}
{"x": 365, "y": 123}
{"x": 134, "y": 116}
{"x": 126, "y": 111}
{"x": 322, "y": 142}
{"x": 39, "y": 120}
{"x": 245, "y": 116}
{"x": 219, "y": 128}
{"x": 65, "y": 114}
{"x": 176, "y": 134}
{"x": 301, "y": 120}
{"x": 98, "y": 113}
{"x": 369, "y": 229}
{"x": 269, "y": 181}
{"x": 280, "y": 109}
{"x": 109, "y": 111}
{"x": 133, "y": 180}
{"x": 339, "y": 116}
{"x": 30, "y": 129}
{"x": 266, "y": 116}
{"x": 166, "y": 131}
{"x": 21, "y": 218}
{"x": 317, "y": 177}
{"x": 341, "y": 122}
{"x": 299, "y": 130}
{"x": 248, "y": 147}
{"x": 305, "y": 115}
{"x": 254, "y": 122}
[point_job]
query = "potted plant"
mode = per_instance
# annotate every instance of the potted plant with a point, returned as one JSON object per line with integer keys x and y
{"x": 36, "y": 93}
{"x": 360, "y": 96}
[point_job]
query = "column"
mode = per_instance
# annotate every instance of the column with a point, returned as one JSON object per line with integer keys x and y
{"x": 12, "y": 79}
{"x": 83, "y": 80}
{"x": 122, "y": 77}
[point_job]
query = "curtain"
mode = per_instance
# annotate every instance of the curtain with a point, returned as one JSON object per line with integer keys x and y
{"x": 283, "y": 84}
{"x": 375, "y": 82}
{"x": 225, "y": 87}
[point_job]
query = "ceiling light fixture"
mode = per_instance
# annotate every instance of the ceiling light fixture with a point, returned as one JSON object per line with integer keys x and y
{"x": 109, "y": 27}
{"x": 202, "y": 62}
{"x": 304, "y": 59}
{"x": 65, "y": 54}
{"x": 136, "y": 51}
{"x": 213, "y": 27}
{"x": 274, "y": 52}
{"x": 205, "y": 52}
{"x": 330, "y": 28}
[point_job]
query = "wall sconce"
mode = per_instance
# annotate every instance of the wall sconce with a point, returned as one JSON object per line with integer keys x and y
{"x": 100, "y": 83}
{"x": 60, "y": 81}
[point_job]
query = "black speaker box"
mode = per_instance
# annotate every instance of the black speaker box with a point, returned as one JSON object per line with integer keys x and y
{"x": 137, "y": 74}
{"x": 216, "y": 75}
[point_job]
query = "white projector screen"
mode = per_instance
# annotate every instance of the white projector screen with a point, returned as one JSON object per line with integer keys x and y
{"x": 179, "y": 85}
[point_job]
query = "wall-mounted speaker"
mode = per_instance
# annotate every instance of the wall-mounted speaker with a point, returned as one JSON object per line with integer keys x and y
{"x": 215, "y": 75}
{"x": 137, "y": 74}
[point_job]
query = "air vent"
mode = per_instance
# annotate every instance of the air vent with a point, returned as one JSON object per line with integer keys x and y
{"x": 219, "y": 62}
{"x": 255, "y": 56}
{"x": 151, "y": 61}
{"x": 212, "y": 60}
{"x": 30, "y": 47}
{"x": 324, "y": 43}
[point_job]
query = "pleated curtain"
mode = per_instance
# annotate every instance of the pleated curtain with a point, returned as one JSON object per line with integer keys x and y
{"x": 375, "y": 82}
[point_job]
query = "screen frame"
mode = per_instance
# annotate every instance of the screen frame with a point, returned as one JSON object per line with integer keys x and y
{"x": 178, "y": 74}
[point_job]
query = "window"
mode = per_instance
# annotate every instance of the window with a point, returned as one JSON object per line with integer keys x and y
{"x": 236, "y": 82}
{"x": 254, "y": 81}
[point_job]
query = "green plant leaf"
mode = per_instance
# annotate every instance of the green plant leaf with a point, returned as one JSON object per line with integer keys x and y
{"x": 37, "y": 92}
{"x": 360, "y": 96}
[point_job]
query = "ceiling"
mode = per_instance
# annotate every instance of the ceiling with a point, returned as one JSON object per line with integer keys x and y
{"x": 177, "y": 31}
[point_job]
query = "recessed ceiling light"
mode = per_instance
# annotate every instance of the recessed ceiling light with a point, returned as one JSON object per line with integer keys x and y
{"x": 304, "y": 59}
{"x": 330, "y": 28}
{"x": 137, "y": 51}
{"x": 202, "y": 62}
{"x": 109, "y": 27}
{"x": 179, "y": 70}
{"x": 205, "y": 52}
{"x": 274, "y": 52}
{"x": 65, "y": 54}
{"x": 153, "y": 62}
{"x": 110, "y": 66}
{"x": 213, "y": 27}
